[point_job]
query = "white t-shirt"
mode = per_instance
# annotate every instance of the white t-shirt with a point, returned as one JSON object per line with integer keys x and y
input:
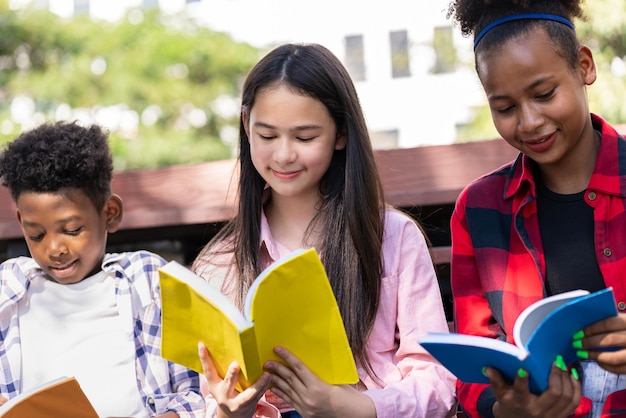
{"x": 76, "y": 330}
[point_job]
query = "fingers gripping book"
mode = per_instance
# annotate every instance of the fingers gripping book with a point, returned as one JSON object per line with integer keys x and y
{"x": 291, "y": 303}
{"x": 541, "y": 332}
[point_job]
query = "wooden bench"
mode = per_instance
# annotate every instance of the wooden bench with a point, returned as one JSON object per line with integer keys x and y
{"x": 185, "y": 205}
{"x": 174, "y": 210}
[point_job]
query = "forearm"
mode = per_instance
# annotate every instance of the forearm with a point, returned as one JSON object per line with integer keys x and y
{"x": 349, "y": 402}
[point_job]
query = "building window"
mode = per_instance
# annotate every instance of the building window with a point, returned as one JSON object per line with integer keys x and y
{"x": 445, "y": 52}
{"x": 81, "y": 7}
{"x": 150, "y": 4}
{"x": 355, "y": 57}
{"x": 384, "y": 139}
{"x": 399, "y": 41}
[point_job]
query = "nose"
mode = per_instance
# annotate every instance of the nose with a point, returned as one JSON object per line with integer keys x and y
{"x": 284, "y": 151}
{"x": 56, "y": 247}
{"x": 529, "y": 119}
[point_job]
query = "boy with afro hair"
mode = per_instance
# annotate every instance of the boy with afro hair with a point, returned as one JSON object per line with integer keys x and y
{"x": 71, "y": 309}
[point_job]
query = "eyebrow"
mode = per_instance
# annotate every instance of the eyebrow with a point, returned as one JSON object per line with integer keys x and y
{"x": 59, "y": 222}
{"x": 532, "y": 85}
{"x": 295, "y": 128}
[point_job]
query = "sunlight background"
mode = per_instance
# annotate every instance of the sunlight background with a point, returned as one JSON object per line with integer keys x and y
{"x": 413, "y": 70}
{"x": 421, "y": 106}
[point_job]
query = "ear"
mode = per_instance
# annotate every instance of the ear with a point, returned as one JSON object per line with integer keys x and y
{"x": 341, "y": 142}
{"x": 245, "y": 122}
{"x": 113, "y": 211}
{"x": 586, "y": 65}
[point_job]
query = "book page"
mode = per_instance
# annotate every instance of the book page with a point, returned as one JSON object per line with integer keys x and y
{"x": 551, "y": 323}
{"x": 531, "y": 317}
{"x": 554, "y": 335}
{"x": 294, "y": 306}
{"x": 253, "y": 287}
{"x": 194, "y": 311}
{"x": 207, "y": 292}
{"x": 62, "y": 397}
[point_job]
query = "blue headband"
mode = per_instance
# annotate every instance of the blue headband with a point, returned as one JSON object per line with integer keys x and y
{"x": 522, "y": 16}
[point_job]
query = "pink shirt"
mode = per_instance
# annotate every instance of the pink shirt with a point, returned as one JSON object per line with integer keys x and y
{"x": 414, "y": 384}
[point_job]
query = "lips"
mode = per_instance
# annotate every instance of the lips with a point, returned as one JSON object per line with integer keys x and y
{"x": 541, "y": 144}
{"x": 64, "y": 269}
{"x": 285, "y": 175}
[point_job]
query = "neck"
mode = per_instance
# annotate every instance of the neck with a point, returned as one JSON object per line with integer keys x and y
{"x": 573, "y": 174}
{"x": 289, "y": 220}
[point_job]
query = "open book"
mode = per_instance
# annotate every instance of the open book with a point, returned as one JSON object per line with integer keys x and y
{"x": 290, "y": 304}
{"x": 541, "y": 332}
{"x": 61, "y": 397}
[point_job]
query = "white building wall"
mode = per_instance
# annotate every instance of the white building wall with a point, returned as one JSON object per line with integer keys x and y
{"x": 424, "y": 108}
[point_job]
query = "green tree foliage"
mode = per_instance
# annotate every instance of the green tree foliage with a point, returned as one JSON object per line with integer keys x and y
{"x": 603, "y": 31}
{"x": 168, "y": 69}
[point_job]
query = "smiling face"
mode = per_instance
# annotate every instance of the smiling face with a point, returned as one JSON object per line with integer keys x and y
{"x": 292, "y": 141}
{"x": 65, "y": 233}
{"x": 539, "y": 103}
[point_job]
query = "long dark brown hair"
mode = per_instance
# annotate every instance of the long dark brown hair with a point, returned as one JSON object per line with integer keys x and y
{"x": 352, "y": 209}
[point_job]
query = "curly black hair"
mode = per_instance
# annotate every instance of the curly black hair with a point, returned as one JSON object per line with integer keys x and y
{"x": 474, "y": 15}
{"x": 55, "y": 156}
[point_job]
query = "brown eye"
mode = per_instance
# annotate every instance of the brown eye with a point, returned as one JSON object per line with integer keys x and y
{"x": 546, "y": 95}
{"x": 74, "y": 232}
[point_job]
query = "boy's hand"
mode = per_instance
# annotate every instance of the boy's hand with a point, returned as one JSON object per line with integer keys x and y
{"x": 605, "y": 342}
{"x": 231, "y": 403}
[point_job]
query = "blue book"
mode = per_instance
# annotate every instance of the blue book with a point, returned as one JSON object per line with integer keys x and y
{"x": 541, "y": 332}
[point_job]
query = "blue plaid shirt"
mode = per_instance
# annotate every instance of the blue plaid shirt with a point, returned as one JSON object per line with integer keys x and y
{"x": 163, "y": 386}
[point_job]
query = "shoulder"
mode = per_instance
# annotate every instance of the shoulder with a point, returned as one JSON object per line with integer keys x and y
{"x": 132, "y": 263}
{"x": 405, "y": 249}
{"x": 19, "y": 267}
{"x": 612, "y": 143}
{"x": 492, "y": 181}
{"x": 138, "y": 271}
{"x": 401, "y": 230}
{"x": 15, "y": 273}
{"x": 19, "y": 263}
{"x": 397, "y": 219}
{"x": 490, "y": 189}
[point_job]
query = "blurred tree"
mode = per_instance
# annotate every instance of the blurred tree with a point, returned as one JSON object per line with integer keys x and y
{"x": 166, "y": 87}
{"x": 446, "y": 59}
{"x": 603, "y": 31}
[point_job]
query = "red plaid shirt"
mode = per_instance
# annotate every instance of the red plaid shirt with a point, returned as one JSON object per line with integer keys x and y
{"x": 498, "y": 264}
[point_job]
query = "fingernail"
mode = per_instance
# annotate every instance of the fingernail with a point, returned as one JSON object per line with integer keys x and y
{"x": 560, "y": 363}
{"x": 484, "y": 370}
{"x": 577, "y": 344}
{"x": 578, "y": 335}
{"x": 582, "y": 354}
{"x": 522, "y": 373}
{"x": 574, "y": 373}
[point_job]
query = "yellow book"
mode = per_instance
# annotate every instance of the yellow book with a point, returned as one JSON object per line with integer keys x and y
{"x": 291, "y": 303}
{"x": 59, "y": 398}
